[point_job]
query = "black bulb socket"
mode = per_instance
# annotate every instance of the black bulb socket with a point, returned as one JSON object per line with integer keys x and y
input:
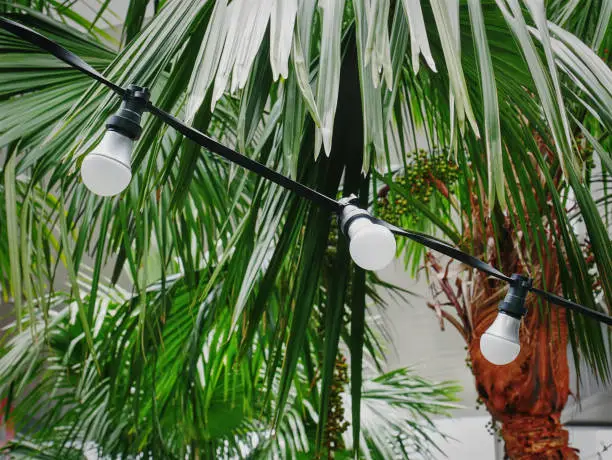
{"x": 350, "y": 212}
{"x": 127, "y": 119}
{"x": 514, "y": 302}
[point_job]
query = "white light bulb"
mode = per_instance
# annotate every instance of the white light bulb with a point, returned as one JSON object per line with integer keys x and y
{"x": 372, "y": 246}
{"x": 500, "y": 343}
{"x": 106, "y": 170}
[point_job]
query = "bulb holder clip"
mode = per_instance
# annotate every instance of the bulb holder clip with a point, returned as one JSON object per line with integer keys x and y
{"x": 350, "y": 212}
{"x": 127, "y": 119}
{"x": 514, "y": 302}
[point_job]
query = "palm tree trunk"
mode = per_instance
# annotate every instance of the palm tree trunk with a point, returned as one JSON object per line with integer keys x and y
{"x": 527, "y": 395}
{"x": 536, "y": 437}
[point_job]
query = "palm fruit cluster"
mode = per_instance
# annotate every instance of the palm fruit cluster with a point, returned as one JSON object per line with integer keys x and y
{"x": 418, "y": 181}
{"x": 494, "y": 429}
{"x": 468, "y": 360}
{"x": 336, "y": 423}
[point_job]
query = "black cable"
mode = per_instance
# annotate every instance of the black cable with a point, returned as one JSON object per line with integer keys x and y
{"x": 246, "y": 162}
{"x": 58, "y": 51}
{"x": 442, "y": 247}
{"x": 552, "y": 298}
{"x": 446, "y": 249}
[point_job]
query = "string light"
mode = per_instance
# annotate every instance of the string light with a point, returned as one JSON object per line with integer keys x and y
{"x": 106, "y": 171}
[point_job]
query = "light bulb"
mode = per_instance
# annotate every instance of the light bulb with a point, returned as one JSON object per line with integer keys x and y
{"x": 372, "y": 246}
{"x": 106, "y": 170}
{"x": 500, "y": 343}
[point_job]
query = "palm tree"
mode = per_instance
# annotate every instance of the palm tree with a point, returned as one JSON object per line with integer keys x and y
{"x": 198, "y": 405}
{"x": 536, "y": 234}
{"x": 183, "y": 390}
{"x": 528, "y": 395}
{"x": 322, "y": 94}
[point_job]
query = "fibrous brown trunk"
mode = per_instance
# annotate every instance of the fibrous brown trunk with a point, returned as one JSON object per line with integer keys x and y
{"x": 527, "y": 395}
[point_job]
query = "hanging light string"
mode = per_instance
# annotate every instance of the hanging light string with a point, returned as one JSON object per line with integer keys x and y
{"x": 58, "y": 51}
{"x": 246, "y": 162}
{"x": 302, "y": 190}
{"x": 555, "y": 299}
